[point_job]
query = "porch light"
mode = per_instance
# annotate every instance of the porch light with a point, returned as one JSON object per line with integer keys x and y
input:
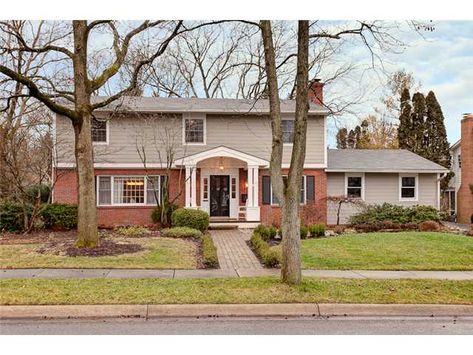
{"x": 220, "y": 165}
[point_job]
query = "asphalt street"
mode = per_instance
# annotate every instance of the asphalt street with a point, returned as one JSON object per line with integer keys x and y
{"x": 301, "y": 325}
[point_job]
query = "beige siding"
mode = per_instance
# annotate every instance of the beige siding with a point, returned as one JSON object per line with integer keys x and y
{"x": 380, "y": 188}
{"x": 249, "y": 134}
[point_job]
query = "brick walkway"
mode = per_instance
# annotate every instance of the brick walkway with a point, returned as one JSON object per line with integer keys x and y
{"x": 232, "y": 250}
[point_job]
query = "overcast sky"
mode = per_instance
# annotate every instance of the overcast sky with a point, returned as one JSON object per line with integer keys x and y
{"x": 443, "y": 62}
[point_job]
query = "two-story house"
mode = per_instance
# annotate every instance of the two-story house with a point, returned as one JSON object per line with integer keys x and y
{"x": 216, "y": 153}
{"x": 450, "y": 196}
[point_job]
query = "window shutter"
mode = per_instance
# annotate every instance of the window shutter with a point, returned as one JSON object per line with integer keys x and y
{"x": 266, "y": 190}
{"x": 310, "y": 187}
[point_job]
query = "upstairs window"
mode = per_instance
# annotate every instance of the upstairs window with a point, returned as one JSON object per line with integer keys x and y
{"x": 354, "y": 186}
{"x": 194, "y": 130}
{"x": 99, "y": 131}
{"x": 408, "y": 187}
{"x": 287, "y": 131}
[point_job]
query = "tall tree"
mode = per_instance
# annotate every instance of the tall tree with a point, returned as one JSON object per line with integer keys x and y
{"x": 76, "y": 92}
{"x": 342, "y": 136}
{"x": 405, "y": 121}
{"x": 417, "y": 131}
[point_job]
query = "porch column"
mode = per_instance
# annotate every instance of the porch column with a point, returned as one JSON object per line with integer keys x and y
{"x": 252, "y": 206}
{"x": 191, "y": 200}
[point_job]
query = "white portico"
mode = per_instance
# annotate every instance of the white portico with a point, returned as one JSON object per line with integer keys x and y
{"x": 215, "y": 183}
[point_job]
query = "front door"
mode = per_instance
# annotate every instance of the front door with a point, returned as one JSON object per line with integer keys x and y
{"x": 220, "y": 195}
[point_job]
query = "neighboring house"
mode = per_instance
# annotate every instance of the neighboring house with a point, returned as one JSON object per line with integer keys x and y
{"x": 220, "y": 151}
{"x": 450, "y": 195}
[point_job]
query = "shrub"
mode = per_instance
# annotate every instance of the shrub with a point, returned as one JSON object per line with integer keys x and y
{"x": 367, "y": 227}
{"x": 339, "y": 229}
{"x": 43, "y": 190}
{"x": 12, "y": 216}
{"x": 59, "y": 216}
{"x": 304, "y": 231}
{"x": 317, "y": 230}
{"x": 396, "y": 214}
{"x": 429, "y": 226}
{"x": 390, "y": 225}
{"x": 273, "y": 232}
{"x": 181, "y": 232}
{"x": 187, "y": 217}
{"x": 270, "y": 257}
{"x": 156, "y": 214}
{"x": 209, "y": 252}
{"x": 409, "y": 226}
{"x": 132, "y": 231}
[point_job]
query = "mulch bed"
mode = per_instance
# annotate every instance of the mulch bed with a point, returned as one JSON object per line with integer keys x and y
{"x": 63, "y": 243}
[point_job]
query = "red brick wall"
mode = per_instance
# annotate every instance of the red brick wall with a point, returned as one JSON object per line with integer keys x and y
{"x": 465, "y": 195}
{"x": 312, "y": 213}
{"x": 65, "y": 191}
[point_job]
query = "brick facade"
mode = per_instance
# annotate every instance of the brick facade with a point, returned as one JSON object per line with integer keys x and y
{"x": 65, "y": 191}
{"x": 315, "y": 212}
{"x": 465, "y": 193}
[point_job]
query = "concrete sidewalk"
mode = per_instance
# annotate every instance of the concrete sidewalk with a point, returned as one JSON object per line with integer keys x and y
{"x": 223, "y": 273}
{"x": 234, "y": 310}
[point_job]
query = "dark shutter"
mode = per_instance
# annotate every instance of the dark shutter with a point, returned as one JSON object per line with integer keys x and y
{"x": 266, "y": 190}
{"x": 310, "y": 187}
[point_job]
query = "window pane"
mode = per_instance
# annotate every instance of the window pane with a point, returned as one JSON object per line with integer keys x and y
{"x": 152, "y": 190}
{"x": 233, "y": 188}
{"x": 287, "y": 131}
{"x": 194, "y": 130}
{"x": 408, "y": 192}
{"x": 105, "y": 189}
{"x": 409, "y": 181}
{"x": 303, "y": 190}
{"x": 354, "y": 181}
{"x": 354, "y": 192}
{"x": 99, "y": 130}
{"x": 128, "y": 190}
{"x": 206, "y": 189}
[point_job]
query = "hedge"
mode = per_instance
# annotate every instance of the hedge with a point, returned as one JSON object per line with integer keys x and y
{"x": 12, "y": 216}
{"x": 266, "y": 233}
{"x": 59, "y": 216}
{"x": 317, "y": 230}
{"x": 181, "y": 232}
{"x": 394, "y": 213}
{"x": 209, "y": 252}
{"x": 270, "y": 257}
{"x": 187, "y": 217}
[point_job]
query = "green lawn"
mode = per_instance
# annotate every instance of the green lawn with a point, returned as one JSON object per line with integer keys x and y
{"x": 390, "y": 251}
{"x": 158, "y": 253}
{"x": 234, "y": 290}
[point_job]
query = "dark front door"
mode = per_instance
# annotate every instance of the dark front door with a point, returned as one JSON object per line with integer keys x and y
{"x": 220, "y": 195}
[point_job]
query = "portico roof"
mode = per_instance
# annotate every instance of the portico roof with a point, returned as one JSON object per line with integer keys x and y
{"x": 222, "y": 151}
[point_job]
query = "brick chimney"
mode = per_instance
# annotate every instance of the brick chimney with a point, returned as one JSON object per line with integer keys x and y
{"x": 316, "y": 92}
{"x": 465, "y": 193}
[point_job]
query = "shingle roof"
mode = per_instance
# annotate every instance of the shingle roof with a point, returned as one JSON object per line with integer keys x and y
{"x": 227, "y": 106}
{"x": 379, "y": 160}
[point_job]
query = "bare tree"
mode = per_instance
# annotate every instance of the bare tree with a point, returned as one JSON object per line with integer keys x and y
{"x": 72, "y": 98}
{"x": 339, "y": 201}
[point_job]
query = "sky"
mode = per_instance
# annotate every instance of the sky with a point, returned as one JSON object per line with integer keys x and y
{"x": 443, "y": 62}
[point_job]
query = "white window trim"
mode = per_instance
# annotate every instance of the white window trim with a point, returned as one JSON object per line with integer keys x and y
{"x": 112, "y": 178}
{"x": 107, "y": 132}
{"x": 304, "y": 178}
{"x": 362, "y": 175}
{"x": 416, "y": 188}
{"x": 195, "y": 116}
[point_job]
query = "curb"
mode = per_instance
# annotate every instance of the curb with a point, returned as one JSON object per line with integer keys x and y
{"x": 234, "y": 310}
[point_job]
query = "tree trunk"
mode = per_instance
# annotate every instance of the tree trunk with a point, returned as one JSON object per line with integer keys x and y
{"x": 87, "y": 234}
{"x": 291, "y": 258}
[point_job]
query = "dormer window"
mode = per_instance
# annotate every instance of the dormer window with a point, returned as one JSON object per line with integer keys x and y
{"x": 99, "y": 131}
{"x": 194, "y": 129}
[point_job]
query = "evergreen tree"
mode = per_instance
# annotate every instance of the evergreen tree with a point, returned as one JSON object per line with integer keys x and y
{"x": 342, "y": 136}
{"x": 437, "y": 146}
{"x": 405, "y": 121}
{"x": 417, "y": 135}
